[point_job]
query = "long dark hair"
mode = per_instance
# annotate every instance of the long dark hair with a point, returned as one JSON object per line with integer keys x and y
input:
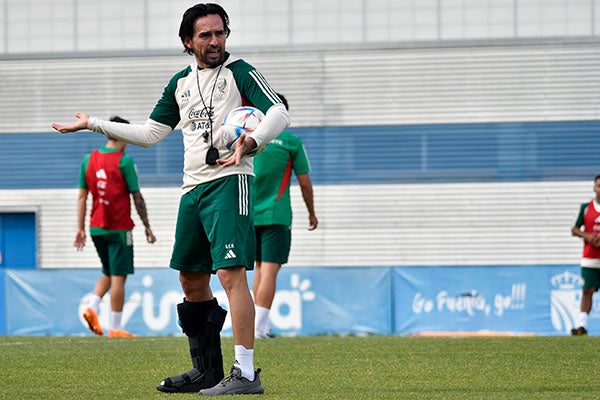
{"x": 186, "y": 29}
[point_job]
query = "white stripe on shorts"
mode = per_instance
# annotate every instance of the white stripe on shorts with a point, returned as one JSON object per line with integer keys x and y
{"x": 243, "y": 194}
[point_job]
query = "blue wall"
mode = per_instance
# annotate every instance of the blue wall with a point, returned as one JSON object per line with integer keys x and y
{"x": 485, "y": 152}
{"x": 18, "y": 241}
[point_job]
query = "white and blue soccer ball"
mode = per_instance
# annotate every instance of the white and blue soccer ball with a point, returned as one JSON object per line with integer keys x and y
{"x": 240, "y": 120}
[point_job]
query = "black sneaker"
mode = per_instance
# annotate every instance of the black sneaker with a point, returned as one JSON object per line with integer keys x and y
{"x": 235, "y": 383}
{"x": 581, "y": 331}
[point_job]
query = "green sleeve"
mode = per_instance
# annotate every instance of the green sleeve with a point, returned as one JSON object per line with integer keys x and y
{"x": 581, "y": 215}
{"x": 300, "y": 162}
{"x": 253, "y": 86}
{"x": 166, "y": 110}
{"x": 82, "y": 170}
{"x": 130, "y": 173}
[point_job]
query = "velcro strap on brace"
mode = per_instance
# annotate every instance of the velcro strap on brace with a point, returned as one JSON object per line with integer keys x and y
{"x": 200, "y": 318}
{"x": 191, "y": 376}
{"x": 188, "y": 382}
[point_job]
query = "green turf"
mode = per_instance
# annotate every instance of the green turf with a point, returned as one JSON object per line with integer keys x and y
{"x": 321, "y": 367}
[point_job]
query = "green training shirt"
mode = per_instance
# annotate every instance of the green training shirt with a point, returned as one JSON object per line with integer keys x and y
{"x": 273, "y": 170}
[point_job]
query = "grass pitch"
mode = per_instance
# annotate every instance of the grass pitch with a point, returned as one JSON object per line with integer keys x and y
{"x": 317, "y": 367}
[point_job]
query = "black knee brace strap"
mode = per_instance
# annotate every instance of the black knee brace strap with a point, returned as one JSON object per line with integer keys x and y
{"x": 201, "y": 318}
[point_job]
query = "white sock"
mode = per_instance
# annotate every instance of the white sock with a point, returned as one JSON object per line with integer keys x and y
{"x": 95, "y": 302}
{"x": 261, "y": 320}
{"x": 583, "y": 319}
{"x": 244, "y": 360}
{"x": 115, "y": 320}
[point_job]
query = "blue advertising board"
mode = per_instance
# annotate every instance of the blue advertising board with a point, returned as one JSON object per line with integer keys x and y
{"x": 2, "y": 304}
{"x": 536, "y": 300}
{"x": 512, "y": 299}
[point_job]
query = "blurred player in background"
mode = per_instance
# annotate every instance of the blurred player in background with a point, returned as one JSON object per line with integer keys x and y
{"x": 214, "y": 233}
{"x": 588, "y": 219}
{"x": 273, "y": 216}
{"x": 111, "y": 177}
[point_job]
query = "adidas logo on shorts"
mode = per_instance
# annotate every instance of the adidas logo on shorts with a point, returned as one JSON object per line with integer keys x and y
{"x": 230, "y": 254}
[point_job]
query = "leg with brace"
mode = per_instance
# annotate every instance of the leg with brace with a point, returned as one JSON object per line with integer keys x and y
{"x": 202, "y": 323}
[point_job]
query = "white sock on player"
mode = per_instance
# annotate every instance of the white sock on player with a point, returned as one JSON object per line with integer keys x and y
{"x": 583, "y": 319}
{"x": 94, "y": 302}
{"x": 115, "y": 320}
{"x": 244, "y": 360}
{"x": 261, "y": 321}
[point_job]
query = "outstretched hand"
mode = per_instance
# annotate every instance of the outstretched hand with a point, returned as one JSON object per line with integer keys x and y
{"x": 81, "y": 123}
{"x": 243, "y": 146}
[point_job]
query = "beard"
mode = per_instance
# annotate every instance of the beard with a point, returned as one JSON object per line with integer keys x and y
{"x": 210, "y": 59}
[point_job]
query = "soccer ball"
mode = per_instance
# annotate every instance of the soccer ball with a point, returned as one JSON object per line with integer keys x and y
{"x": 240, "y": 120}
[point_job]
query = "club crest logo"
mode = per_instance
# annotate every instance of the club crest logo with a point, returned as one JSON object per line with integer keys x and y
{"x": 564, "y": 300}
{"x": 221, "y": 86}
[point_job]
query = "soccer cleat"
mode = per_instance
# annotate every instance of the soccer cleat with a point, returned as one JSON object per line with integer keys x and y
{"x": 581, "y": 331}
{"x": 120, "y": 334}
{"x": 91, "y": 317}
{"x": 235, "y": 383}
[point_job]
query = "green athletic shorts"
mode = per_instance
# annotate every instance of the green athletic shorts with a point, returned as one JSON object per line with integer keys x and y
{"x": 273, "y": 243}
{"x": 215, "y": 226}
{"x": 591, "y": 277}
{"x": 116, "y": 252}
